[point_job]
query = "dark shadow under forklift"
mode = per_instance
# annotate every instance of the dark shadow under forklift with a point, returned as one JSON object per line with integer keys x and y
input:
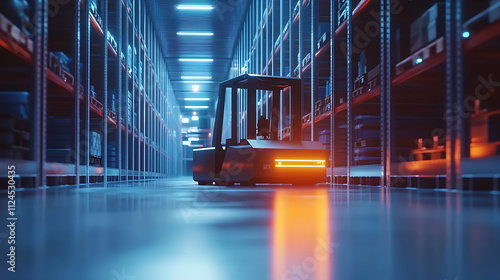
{"x": 247, "y": 160}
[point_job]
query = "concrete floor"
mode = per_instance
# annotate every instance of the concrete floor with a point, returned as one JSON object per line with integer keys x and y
{"x": 178, "y": 230}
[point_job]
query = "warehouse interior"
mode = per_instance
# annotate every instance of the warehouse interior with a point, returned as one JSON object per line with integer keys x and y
{"x": 104, "y": 104}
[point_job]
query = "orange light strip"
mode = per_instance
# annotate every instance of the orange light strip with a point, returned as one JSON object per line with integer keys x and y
{"x": 307, "y": 163}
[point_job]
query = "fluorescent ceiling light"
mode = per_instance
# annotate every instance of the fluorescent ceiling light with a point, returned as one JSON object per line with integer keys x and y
{"x": 186, "y": 143}
{"x": 193, "y": 139}
{"x": 195, "y": 88}
{"x": 196, "y": 77}
{"x": 195, "y": 118}
{"x": 197, "y": 59}
{"x": 185, "y": 120}
{"x": 195, "y": 7}
{"x": 196, "y": 107}
{"x": 197, "y": 82}
{"x": 196, "y": 99}
{"x": 185, "y": 33}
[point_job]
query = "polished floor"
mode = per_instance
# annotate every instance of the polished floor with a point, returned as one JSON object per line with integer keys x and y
{"x": 174, "y": 229}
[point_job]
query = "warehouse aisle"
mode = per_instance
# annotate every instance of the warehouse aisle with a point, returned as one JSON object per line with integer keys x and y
{"x": 178, "y": 230}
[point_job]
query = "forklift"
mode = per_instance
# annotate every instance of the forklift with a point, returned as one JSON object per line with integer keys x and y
{"x": 260, "y": 156}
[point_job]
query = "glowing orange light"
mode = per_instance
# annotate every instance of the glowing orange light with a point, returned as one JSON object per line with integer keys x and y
{"x": 307, "y": 163}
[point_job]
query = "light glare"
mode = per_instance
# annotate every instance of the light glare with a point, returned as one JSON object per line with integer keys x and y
{"x": 196, "y": 59}
{"x": 196, "y": 99}
{"x": 195, "y": 7}
{"x": 196, "y": 77}
{"x": 184, "y": 33}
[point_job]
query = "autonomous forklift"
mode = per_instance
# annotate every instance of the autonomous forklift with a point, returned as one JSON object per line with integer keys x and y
{"x": 256, "y": 154}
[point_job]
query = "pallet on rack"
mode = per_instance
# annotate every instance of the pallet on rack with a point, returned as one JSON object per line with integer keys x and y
{"x": 96, "y": 103}
{"x": 112, "y": 115}
{"x": 318, "y": 108}
{"x": 369, "y": 142}
{"x": 359, "y": 86}
{"x": 373, "y": 78}
{"x": 306, "y": 60}
{"x": 328, "y": 104}
{"x": 286, "y": 130}
{"x": 424, "y": 153}
{"x": 420, "y": 56}
{"x": 296, "y": 71}
{"x": 67, "y": 77}
{"x": 95, "y": 161}
{"x": 323, "y": 40}
{"x": 306, "y": 118}
{"x": 14, "y": 35}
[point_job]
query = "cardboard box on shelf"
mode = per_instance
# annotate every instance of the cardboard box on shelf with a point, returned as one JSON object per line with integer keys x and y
{"x": 428, "y": 27}
{"x": 494, "y": 13}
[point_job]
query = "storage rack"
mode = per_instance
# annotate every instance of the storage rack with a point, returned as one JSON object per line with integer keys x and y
{"x": 120, "y": 123}
{"x": 395, "y": 116}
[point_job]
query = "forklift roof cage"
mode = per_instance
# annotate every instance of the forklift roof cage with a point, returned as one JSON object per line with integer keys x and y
{"x": 253, "y": 83}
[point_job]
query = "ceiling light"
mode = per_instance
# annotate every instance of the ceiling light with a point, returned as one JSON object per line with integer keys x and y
{"x": 196, "y": 77}
{"x": 195, "y": 118}
{"x": 196, "y": 99}
{"x": 197, "y": 59}
{"x": 185, "y": 120}
{"x": 196, "y": 107}
{"x": 195, "y": 88}
{"x": 194, "y": 113}
{"x": 193, "y": 139}
{"x": 466, "y": 34}
{"x": 195, "y": 33}
{"x": 195, "y": 7}
{"x": 186, "y": 143}
{"x": 196, "y": 82}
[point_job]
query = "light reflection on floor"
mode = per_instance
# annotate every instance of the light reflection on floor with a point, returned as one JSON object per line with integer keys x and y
{"x": 178, "y": 230}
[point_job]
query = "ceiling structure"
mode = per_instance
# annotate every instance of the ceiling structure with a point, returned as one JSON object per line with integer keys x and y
{"x": 222, "y": 18}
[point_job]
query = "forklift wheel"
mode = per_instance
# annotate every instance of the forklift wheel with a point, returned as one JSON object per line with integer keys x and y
{"x": 204, "y": 183}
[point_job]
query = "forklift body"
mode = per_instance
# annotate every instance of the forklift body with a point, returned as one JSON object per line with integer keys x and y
{"x": 247, "y": 160}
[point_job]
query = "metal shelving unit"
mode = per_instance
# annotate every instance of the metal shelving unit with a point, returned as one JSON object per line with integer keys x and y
{"x": 121, "y": 121}
{"x": 385, "y": 93}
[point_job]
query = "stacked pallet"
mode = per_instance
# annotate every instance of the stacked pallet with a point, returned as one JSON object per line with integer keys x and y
{"x": 95, "y": 149}
{"x": 59, "y": 139}
{"x": 112, "y": 154}
{"x": 366, "y": 139}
